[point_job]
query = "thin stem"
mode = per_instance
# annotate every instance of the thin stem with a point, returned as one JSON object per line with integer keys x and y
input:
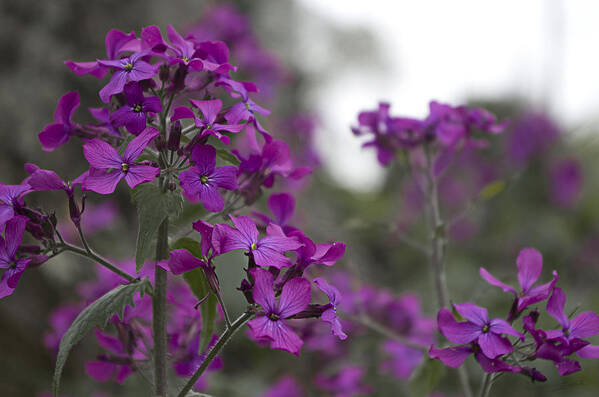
{"x": 437, "y": 254}
{"x": 92, "y": 255}
{"x": 385, "y": 331}
{"x": 222, "y": 341}
{"x": 485, "y": 387}
{"x": 159, "y": 312}
{"x": 225, "y": 312}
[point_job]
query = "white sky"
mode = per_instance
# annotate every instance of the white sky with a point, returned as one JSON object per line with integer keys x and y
{"x": 544, "y": 51}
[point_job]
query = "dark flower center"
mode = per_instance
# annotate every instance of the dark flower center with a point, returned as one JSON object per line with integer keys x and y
{"x": 254, "y": 246}
{"x": 12, "y": 265}
{"x": 486, "y": 328}
{"x": 273, "y": 316}
{"x": 137, "y": 108}
{"x": 124, "y": 167}
{"x": 204, "y": 179}
{"x": 128, "y": 67}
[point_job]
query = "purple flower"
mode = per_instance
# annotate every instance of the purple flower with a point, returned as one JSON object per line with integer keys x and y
{"x": 486, "y": 333}
{"x": 14, "y": 266}
{"x": 322, "y": 254}
{"x": 127, "y": 69}
{"x": 403, "y": 359}
{"x": 58, "y": 133}
{"x": 180, "y": 261}
{"x": 330, "y": 314}
{"x": 347, "y": 383}
{"x": 180, "y": 51}
{"x": 454, "y": 357}
{"x": 202, "y": 181}
{"x": 133, "y": 115}
{"x": 116, "y": 43}
{"x": 11, "y": 196}
{"x": 118, "y": 365}
{"x": 209, "y": 110}
{"x": 295, "y": 297}
{"x": 281, "y": 205}
{"x": 214, "y": 56}
{"x": 266, "y": 251}
{"x": 584, "y": 325}
{"x": 287, "y": 386}
{"x": 246, "y": 111}
{"x": 108, "y": 167}
{"x": 530, "y": 265}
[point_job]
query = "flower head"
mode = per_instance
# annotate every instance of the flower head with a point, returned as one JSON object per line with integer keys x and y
{"x": 330, "y": 313}
{"x": 58, "y": 133}
{"x": 108, "y": 167}
{"x": 295, "y": 296}
{"x": 13, "y": 265}
{"x": 131, "y": 68}
{"x": 134, "y": 113}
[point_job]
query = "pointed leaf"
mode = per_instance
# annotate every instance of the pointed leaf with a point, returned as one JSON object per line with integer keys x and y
{"x": 227, "y": 156}
{"x": 95, "y": 315}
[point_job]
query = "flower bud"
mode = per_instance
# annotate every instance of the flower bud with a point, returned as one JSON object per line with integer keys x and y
{"x": 164, "y": 73}
{"x": 160, "y": 143}
{"x": 246, "y": 290}
{"x": 174, "y": 136}
{"x": 74, "y": 211}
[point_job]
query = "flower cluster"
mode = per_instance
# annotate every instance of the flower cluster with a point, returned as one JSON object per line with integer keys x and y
{"x": 171, "y": 116}
{"x": 487, "y": 338}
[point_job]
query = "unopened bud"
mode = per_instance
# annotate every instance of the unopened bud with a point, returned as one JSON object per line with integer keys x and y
{"x": 160, "y": 143}
{"x": 174, "y": 136}
{"x": 164, "y": 73}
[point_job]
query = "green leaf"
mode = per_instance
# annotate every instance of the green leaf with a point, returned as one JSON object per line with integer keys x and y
{"x": 196, "y": 394}
{"x": 95, "y": 315}
{"x": 426, "y": 377}
{"x": 227, "y": 156}
{"x": 199, "y": 286}
{"x": 492, "y": 189}
{"x": 153, "y": 206}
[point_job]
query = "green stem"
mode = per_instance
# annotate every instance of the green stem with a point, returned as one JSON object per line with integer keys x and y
{"x": 222, "y": 341}
{"x": 92, "y": 255}
{"x": 437, "y": 254}
{"x": 159, "y": 313}
{"x": 485, "y": 387}
{"x": 384, "y": 331}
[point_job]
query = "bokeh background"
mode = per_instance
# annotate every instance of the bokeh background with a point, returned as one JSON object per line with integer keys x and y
{"x": 322, "y": 63}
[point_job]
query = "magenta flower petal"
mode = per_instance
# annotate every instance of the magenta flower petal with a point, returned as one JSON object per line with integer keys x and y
{"x": 451, "y": 356}
{"x": 489, "y": 278}
{"x": 182, "y": 112}
{"x": 489, "y": 365}
{"x": 204, "y": 157}
{"x": 555, "y": 307}
{"x": 117, "y": 42}
{"x": 101, "y": 155}
{"x": 263, "y": 292}
{"x": 284, "y": 338}
{"x": 589, "y": 351}
{"x": 494, "y": 345}
{"x": 138, "y": 174}
{"x": 225, "y": 239}
{"x": 13, "y": 234}
{"x": 115, "y": 86}
{"x": 530, "y": 265}
{"x": 585, "y": 325}
{"x": 225, "y": 177}
{"x": 101, "y": 181}
{"x": 567, "y": 366}
{"x": 210, "y": 198}
{"x": 247, "y": 228}
{"x": 537, "y": 294}
{"x": 500, "y": 326}
{"x": 457, "y": 332}
{"x": 83, "y": 68}
{"x": 53, "y": 136}
{"x": 67, "y": 104}
{"x": 139, "y": 143}
{"x": 209, "y": 109}
{"x": 282, "y": 206}
{"x": 478, "y": 315}
{"x": 181, "y": 261}
{"x": 295, "y": 296}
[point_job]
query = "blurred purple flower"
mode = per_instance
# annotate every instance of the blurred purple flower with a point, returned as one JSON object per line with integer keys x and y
{"x": 58, "y": 133}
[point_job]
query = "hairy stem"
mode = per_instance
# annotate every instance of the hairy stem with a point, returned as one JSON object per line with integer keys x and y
{"x": 222, "y": 341}
{"x": 437, "y": 254}
{"x": 159, "y": 313}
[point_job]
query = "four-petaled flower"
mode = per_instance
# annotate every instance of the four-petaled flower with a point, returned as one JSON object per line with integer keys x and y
{"x": 133, "y": 114}
{"x": 330, "y": 314}
{"x": 478, "y": 328}
{"x": 202, "y": 181}
{"x": 266, "y": 251}
{"x": 108, "y": 167}
{"x": 295, "y": 296}
{"x": 127, "y": 69}
{"x": 14, "y": 266}
{"x": 11, "y": 196}
{"x": 530, "y": 265}
{"x": 209, "y": 110}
